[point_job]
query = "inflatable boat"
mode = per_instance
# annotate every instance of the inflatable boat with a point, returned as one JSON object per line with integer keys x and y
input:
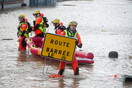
{"x": 35, "y": 45}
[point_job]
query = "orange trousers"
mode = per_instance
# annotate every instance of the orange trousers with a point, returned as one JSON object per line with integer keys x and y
{"x": 22, "y": 43}
{"x": 74, "y": 64}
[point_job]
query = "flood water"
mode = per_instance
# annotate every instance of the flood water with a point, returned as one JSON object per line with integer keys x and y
{"x": 104, "y": 26}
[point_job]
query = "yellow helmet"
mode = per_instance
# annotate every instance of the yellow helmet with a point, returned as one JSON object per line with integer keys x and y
{"x": 73, "y": 23}
{"x": 23, "y": 16}
{"x": 56, "y": 21}
{"x": 36, "y": 12}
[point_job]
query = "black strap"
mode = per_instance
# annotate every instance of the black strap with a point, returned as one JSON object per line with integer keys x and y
{"x": 72, "y": 33}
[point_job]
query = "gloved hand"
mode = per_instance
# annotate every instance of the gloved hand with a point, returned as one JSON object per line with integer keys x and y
{"x": 55, "y": 76}
{"x": 80, "y": 45}
{"x": 76, "y": 42}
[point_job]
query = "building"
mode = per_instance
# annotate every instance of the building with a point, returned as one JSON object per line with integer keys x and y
{"x": 31, "y": 3}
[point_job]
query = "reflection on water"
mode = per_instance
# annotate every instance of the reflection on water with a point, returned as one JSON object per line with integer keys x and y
{"x": 24, "y": 56}
{"x": 104, "y": 26}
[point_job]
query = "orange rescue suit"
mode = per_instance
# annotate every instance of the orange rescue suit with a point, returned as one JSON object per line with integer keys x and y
{"x": 37, "y": 22}
{"x": 74, "y": 63}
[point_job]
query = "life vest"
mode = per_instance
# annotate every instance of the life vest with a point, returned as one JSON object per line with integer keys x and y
{"x": 23, "y": 28}
{"x": 60, "y": 29}
{"x": 45, "y": 22}
{"x": 69, "y": 33}
{"x": 41, "y": 28}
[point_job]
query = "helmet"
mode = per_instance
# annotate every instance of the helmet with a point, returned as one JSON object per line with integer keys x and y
{"x": 36, "y": 12}
{"x": 56, "y": 21}
{"x": 73, "y": 23}
{"x": 22, "y": 16}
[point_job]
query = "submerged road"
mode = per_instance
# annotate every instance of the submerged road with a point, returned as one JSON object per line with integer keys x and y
{"x": 104, "y": 26}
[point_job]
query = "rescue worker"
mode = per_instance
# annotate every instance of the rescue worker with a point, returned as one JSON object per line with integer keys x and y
{"x": 58, "y": 26}
{"x": 40, "y": 24}
{"x": 23, "y": 31}
{"x": 70, "y": 32}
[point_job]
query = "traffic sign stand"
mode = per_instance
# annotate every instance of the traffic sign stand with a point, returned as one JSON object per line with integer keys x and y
{"x": 58, "y": 47}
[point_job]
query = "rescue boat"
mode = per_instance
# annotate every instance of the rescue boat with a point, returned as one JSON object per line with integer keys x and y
{"x": 35, "y": 45}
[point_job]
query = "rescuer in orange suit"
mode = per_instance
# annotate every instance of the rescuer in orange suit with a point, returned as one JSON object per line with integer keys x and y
{"x": 40, "y": 24}
{"x": 23, "y": 31}
{"x": 58, "y": 26}
{"x": 70, "y": 32}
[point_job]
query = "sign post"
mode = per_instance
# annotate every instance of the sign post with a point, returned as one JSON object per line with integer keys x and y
{"x": 58, "y": 47}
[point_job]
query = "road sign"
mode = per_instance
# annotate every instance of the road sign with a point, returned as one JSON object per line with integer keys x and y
{"x": 58, "y": 47}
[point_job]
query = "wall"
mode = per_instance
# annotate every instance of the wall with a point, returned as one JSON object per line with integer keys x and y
{"x": 27, "y": 2}
{"x": 36, "y": 3}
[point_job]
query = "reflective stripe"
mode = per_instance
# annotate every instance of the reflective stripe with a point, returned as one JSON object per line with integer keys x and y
{"x": 26, "y": 31}
{"x": 70, "y": 33}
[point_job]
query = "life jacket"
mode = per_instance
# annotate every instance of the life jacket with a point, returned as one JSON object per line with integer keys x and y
{"x": 41, "y": 28}
{"x": 74, "y": 34}
{"x": 45, "y": 20}
{"x": 60, "y": 29}
{"x": 23, "y": 29}
{"x": 69, "y": 33}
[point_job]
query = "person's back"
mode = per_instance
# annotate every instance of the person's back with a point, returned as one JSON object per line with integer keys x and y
{"x": 40, "y": 24}
{"x": 58, "y": 26}
{"x": 45, "y": 20}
